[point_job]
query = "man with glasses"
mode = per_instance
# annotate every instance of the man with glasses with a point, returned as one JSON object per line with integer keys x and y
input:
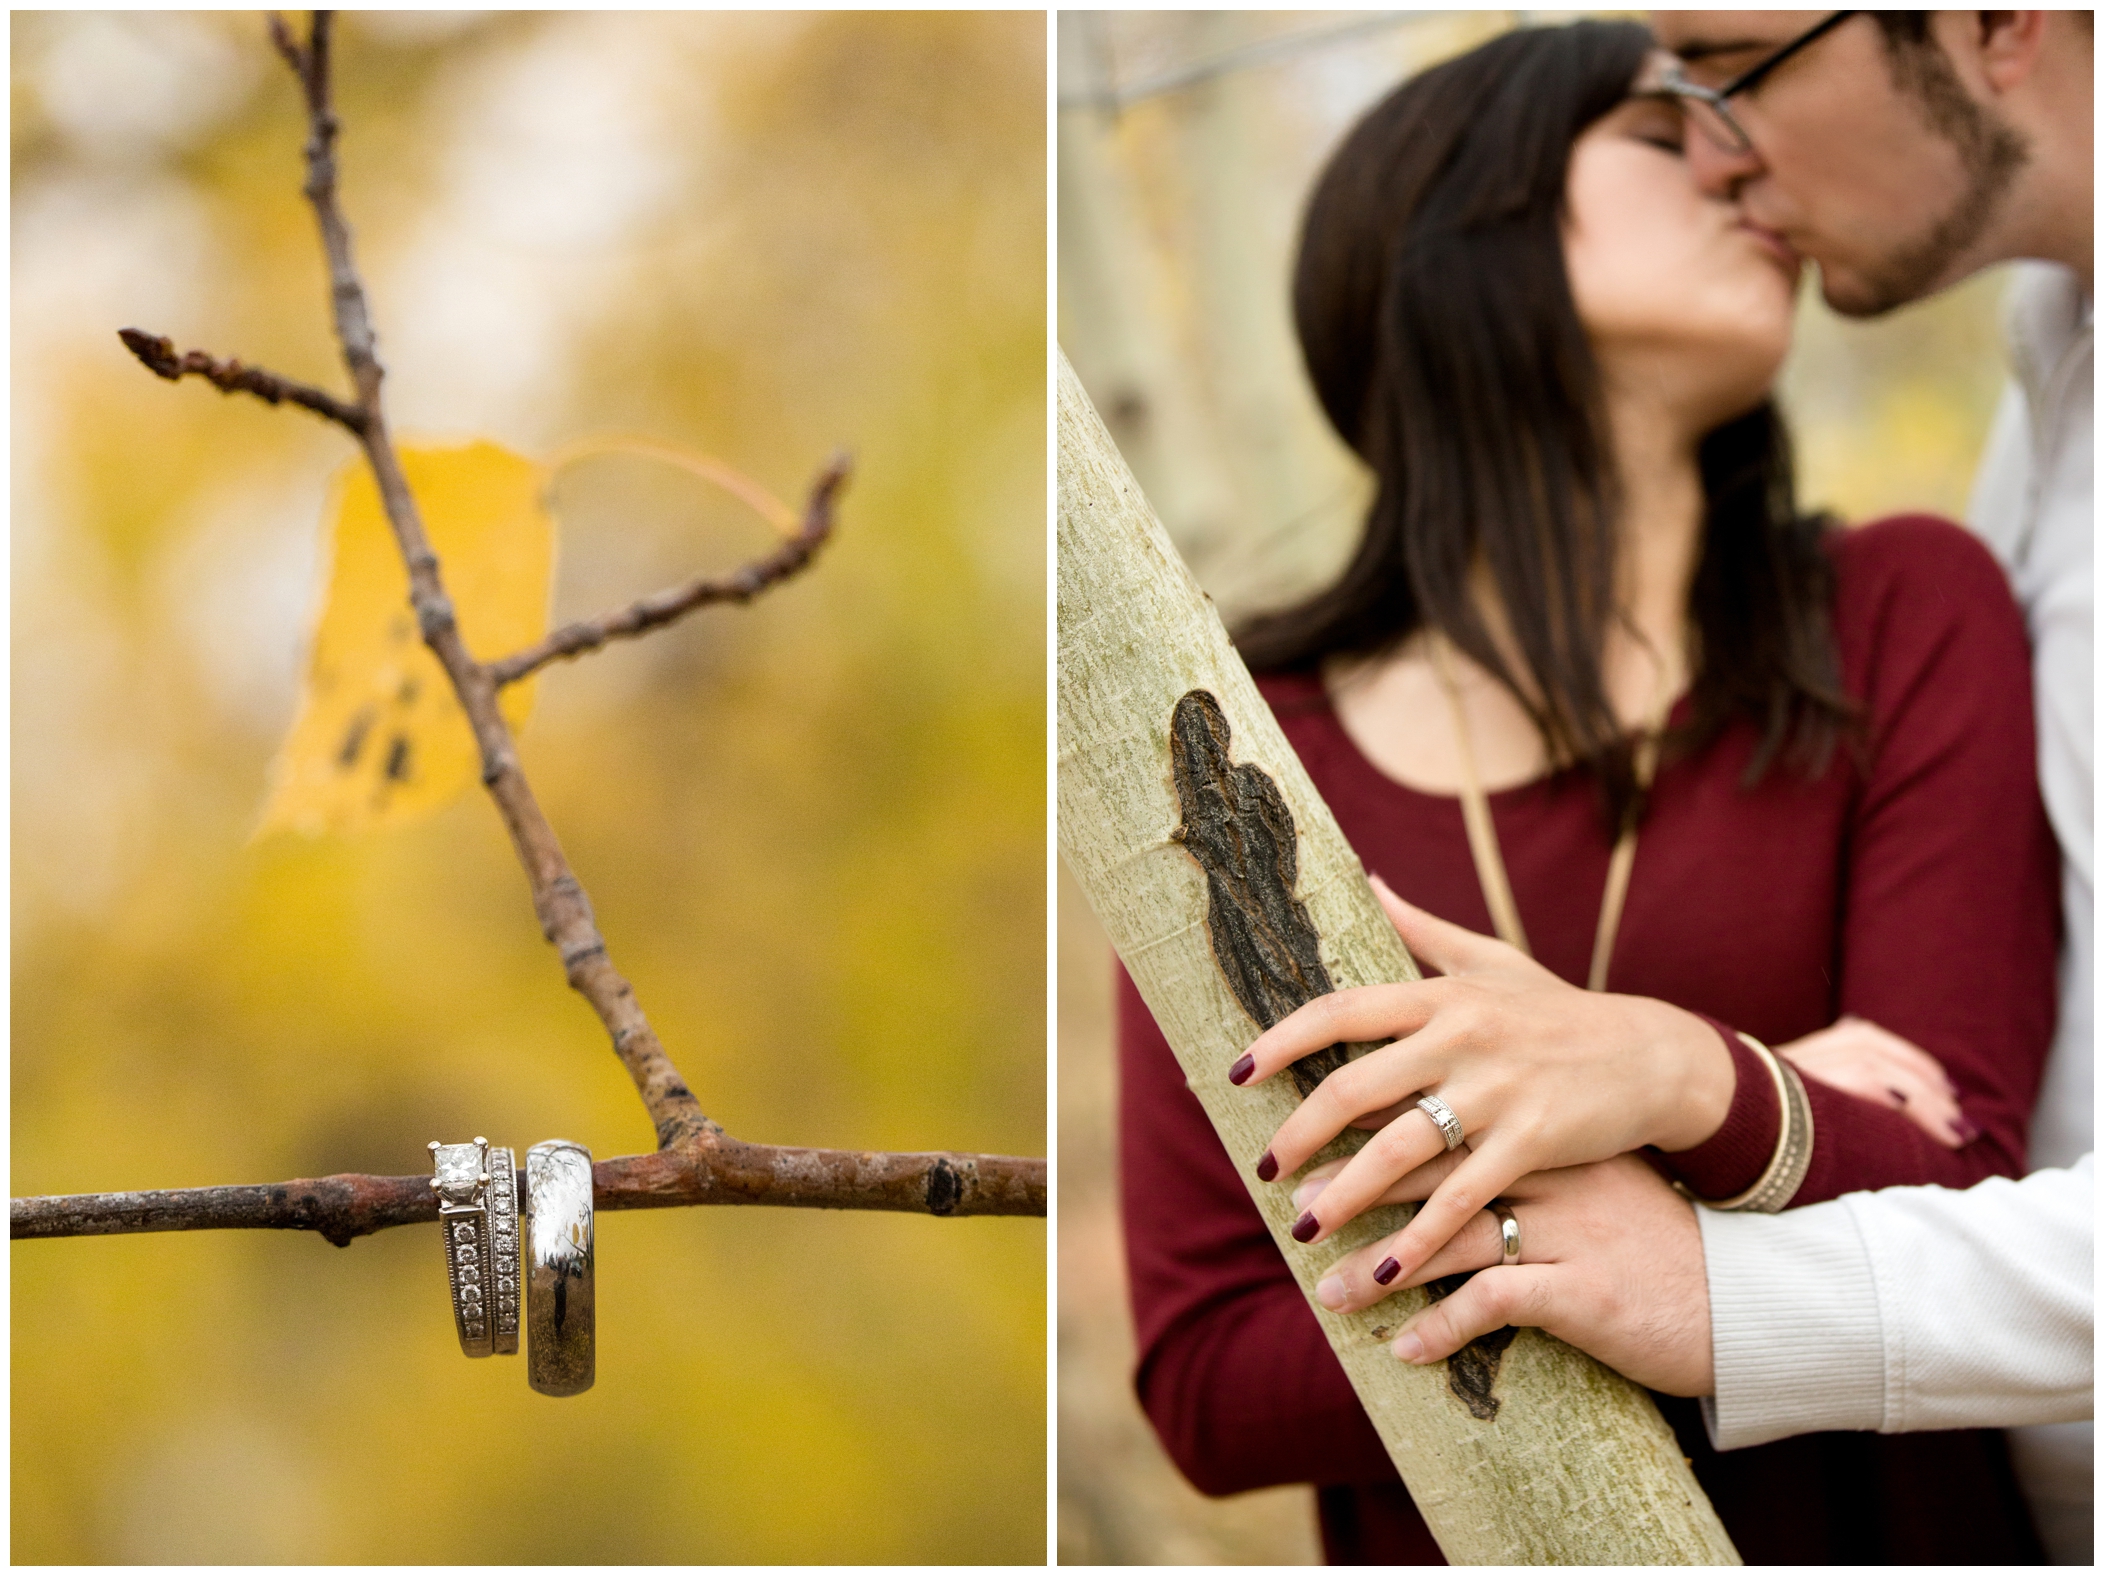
{"x": 1900, "y": 152}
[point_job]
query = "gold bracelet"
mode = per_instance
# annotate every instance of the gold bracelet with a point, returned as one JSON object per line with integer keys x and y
{"x": 1793, "y": 1144}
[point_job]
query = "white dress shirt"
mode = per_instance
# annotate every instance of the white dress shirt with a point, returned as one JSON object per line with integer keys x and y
{"x": 1917, "y": 1308}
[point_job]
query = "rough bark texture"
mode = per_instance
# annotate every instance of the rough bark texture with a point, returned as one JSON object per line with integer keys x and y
{"x": 724, "y": 1171}
{"x": 1574, "y": 1466}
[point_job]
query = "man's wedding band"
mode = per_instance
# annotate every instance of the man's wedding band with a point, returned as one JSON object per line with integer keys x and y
{"x": 1508, "y": 1231}
{"x": 559, "y": 1292}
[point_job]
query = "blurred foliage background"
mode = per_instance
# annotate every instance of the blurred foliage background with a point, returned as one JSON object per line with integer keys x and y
{"x": 814, "y": 830}
{"x": 1187, "y": 143}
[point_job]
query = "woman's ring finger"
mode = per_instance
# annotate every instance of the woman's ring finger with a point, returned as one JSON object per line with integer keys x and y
{"x": 1443, "y": 1118}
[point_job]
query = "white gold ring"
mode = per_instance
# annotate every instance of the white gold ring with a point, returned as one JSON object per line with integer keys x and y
{"x": 460, "y": 1177}
{"x": 1508, "y": 1230}
{"x": 502, "y": 1288}
{"x": 1443, "y": 1118}
{"x": 559, "y": 1293}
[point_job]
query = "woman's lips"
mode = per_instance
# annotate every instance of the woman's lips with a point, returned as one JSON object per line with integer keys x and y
{"x": 1775, "y": 246}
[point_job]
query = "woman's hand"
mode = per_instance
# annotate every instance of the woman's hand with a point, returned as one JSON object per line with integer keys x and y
{"x": 1610, "y": 1261}
{"x": 1540, "y": 1074}
{"x": 1874, "y": 1064}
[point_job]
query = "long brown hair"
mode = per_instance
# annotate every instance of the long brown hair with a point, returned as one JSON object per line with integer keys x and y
{"x": 1436, "y": 319}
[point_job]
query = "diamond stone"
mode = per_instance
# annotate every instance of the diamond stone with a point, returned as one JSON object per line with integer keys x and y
{"x": 459, "y": 1171}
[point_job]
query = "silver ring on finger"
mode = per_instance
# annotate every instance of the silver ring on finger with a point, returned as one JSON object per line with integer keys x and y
{"x": 560, "y": 1294}
{"x": 1508, "y": 1230}
{"x": 1443, "y": 1118}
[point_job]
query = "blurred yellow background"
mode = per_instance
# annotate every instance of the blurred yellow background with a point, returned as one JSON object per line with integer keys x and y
{"x": 813, "y": 829}
{"x": 1187, "y": 143}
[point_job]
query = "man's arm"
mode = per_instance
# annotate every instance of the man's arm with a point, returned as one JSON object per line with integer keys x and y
{"x": 1905, "y": 1309}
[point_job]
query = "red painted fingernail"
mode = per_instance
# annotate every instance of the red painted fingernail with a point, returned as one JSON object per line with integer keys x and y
{"x": 1387, "y": 1271}
{"x": 1966, "y": 1130}
{"x": 1239, "y": 1073}
{"x": 1267, "y": 1168}
{"x": 1304, "y": 1229}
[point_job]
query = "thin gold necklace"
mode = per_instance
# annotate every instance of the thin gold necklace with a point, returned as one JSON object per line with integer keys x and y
{"x": 1483, "y": 832}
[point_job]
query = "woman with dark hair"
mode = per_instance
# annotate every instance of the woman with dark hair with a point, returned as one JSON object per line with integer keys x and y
{"x": 1594, "y": 682}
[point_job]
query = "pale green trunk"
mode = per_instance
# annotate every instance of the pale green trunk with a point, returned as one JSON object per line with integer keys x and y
{"x": 1576, "y": 1467}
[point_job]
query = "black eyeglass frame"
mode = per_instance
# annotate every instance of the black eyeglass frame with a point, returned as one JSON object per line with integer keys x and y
{"x": 1674, "y": 81}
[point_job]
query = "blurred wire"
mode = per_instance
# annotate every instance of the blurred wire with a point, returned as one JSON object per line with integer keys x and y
{"x": 1109, "y": 96}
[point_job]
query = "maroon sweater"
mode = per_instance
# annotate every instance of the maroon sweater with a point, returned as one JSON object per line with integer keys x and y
{"x": 1911, "y": 883}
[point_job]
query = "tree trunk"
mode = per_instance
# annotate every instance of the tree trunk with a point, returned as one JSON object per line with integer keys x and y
{"x": 1533, "y": 1455}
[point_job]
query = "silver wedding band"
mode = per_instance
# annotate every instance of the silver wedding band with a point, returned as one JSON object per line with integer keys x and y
{"x": 1508, "y": 1231}
{"x": 1443, "y": 1118}
{"x": 559, "y": 1291}
{"x": 502, "y": 1288}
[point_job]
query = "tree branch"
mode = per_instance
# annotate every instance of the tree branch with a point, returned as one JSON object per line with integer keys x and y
{"x": 559, "y": 899}
{"x": 232, "y": 377}
{"x": 697, "y": 1162}
{"x": 655, "y": 612}
{"x": 342, "y": 1208}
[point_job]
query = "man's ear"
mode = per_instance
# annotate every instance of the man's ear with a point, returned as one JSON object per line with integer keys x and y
{"x": 2007, "y": 44}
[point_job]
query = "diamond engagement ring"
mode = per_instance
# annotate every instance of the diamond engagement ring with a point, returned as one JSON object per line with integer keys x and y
{"x": 461, "y": 1175}
{"x": 559, "y": 1292}
{"x": 1443, "y": 1118}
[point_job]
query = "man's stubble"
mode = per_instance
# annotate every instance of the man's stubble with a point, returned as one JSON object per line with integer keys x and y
{"x": 1990, "y": 153}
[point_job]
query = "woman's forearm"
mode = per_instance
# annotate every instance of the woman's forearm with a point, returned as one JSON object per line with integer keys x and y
{"x": 1856, "y": 1145}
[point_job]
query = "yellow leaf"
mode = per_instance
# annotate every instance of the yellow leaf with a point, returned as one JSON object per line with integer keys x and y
{"x": 380, "y": 739}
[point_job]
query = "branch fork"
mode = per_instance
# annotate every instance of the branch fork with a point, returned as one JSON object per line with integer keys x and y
{"x": 697, "y": 1162}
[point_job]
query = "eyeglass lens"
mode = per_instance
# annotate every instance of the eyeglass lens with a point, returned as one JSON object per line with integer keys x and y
{"x": 1714, "y": 121}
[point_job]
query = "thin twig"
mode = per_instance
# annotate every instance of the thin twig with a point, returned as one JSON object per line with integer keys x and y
{"x": 655, "y": 612}
{"x": 558, "y": 898}
{"x": 232, "y": 377}
{"x": 287, "y": 45}
{"x": 342, "y": 1208}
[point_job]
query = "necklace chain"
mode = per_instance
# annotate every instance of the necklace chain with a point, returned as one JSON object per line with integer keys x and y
{"x": 1483, "y": 832}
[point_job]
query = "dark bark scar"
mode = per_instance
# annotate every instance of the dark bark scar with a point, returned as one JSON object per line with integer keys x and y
{"x": 1472, "y": 1371}
{"x": 1237, "y": 827}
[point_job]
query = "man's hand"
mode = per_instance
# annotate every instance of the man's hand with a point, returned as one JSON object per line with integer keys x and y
{"x": 1610, "y": 1261}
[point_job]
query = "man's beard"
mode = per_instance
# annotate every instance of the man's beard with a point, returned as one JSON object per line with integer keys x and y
{"x": 1990, "y": 153}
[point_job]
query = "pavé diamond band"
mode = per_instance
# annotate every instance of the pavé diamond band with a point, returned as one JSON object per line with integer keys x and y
{"x": 559, "y": 1292}
{"x": 502, "y": 1287}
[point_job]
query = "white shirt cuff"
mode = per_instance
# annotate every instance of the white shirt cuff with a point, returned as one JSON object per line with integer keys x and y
{"x": 1794, "y": 1326}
